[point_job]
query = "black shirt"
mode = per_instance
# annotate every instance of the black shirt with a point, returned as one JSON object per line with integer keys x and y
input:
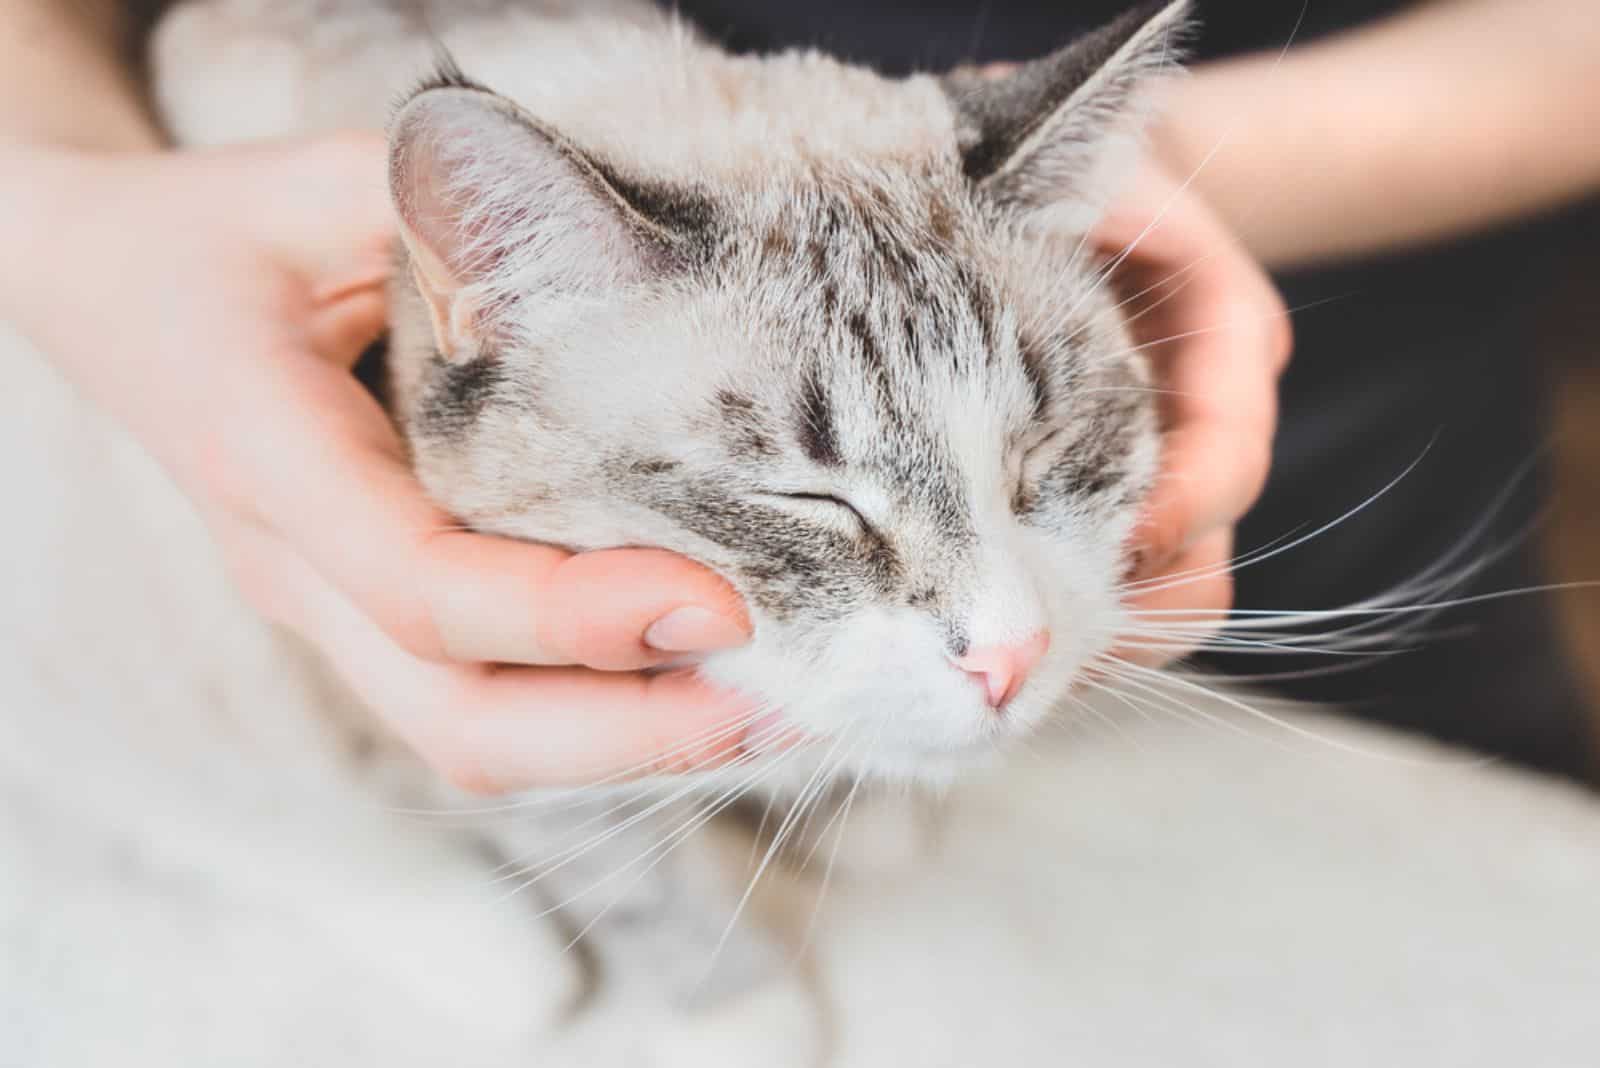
{"x": 899, "y": 36}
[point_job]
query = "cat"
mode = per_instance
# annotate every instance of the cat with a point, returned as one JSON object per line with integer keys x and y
{"x": 834, "y": 335}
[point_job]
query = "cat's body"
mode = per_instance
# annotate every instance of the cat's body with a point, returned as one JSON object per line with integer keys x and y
{"x": 832, "y": 334}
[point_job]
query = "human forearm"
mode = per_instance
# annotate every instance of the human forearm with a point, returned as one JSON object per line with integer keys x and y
{"x": 66, "y": 95}
{"x": 63, "y": 79}
{"x": 1451, "y": 117}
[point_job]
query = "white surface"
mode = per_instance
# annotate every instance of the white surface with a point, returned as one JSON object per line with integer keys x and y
{"x": 182, "y": 881}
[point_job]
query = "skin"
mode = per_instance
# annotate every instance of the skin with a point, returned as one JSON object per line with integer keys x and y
{"x": 1441, "y": 119}
{"x": 505, "y": 665}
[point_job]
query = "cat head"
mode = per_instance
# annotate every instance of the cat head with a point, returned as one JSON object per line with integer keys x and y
{"x": 886, "y": 397}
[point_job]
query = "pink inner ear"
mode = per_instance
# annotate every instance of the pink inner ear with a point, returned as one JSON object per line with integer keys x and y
{"x": 463, "y": 324}
{"x": 441, "y": 151}
{"x": 463, "y": 177}
{"x": 489, "y": 199}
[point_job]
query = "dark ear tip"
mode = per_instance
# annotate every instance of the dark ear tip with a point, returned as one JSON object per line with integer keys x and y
{"x": 1147, "y": 10}
{"x": 446, "y": 74}
{"x": 999, "y": 120}
{"x": 1177, "y": 14}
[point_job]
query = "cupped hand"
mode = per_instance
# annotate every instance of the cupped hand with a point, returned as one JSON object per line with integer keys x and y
{"x": 215, "y": 303}
{"x": 1218, "y": 337}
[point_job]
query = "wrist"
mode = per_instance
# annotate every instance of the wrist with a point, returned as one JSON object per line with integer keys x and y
{"x": 1247, "y": 153}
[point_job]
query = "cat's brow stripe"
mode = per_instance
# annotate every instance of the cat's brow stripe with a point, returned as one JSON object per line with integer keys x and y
{"x": 1035, "y": 368}
{"x": 814, "y": 422}
{"x": 745, "y": 428}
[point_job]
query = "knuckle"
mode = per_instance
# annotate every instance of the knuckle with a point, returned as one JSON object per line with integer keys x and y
{"x": 468, "y": 776}
{"x": 442, "y": 723}
{"x": 1257, "y": 469}
{"x": 1165, "y": 533}
{"x": 569, "y": 629}
{"x": 1280, "y": 340}
{"x": 411, "y": 620}
{"x": 224, "y": 476}
{"x": 416, "y": 635}
{"x": 257, "y": 575}
{"x": 261, "y": 594}
{"x": 1277, "y": 327}
{"x": 408, "y": 624}
{"x": 457, "y": 763}
{"x": 681, "y": 746}
{"x": 670, "y": 763}
{"x": 1222, "y": 595}
{"x": 675, "y": 759}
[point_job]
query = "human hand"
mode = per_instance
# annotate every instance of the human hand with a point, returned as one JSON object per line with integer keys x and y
{"x": 216, "y": 304}
{"x": 1218, "y": 338}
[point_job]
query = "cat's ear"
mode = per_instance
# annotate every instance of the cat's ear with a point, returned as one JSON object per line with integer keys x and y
{"x": 496, "y": 207}
{"x": 1058, "y": 130}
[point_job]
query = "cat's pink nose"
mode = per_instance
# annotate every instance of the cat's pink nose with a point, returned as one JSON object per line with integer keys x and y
{"x": 1002, "y": 669}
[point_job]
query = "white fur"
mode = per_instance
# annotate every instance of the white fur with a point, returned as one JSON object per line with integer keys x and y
{"x": 190, "y": 877}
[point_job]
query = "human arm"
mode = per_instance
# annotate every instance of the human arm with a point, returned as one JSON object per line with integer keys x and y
{"x": 1446, "y": 118}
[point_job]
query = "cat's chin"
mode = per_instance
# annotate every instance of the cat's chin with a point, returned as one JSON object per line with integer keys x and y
{"x": 936, "y": 769}
{"x": 905, "y": 765}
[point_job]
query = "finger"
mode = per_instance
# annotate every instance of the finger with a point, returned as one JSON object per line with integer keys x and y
{"x": 346, "y": 176}
{"x": 1210, "y": 476}
{"x": 1197, "y": 588}
{"x": 1162, "y": 234}
{"x": 492, "y": 599}
{"x": 1220, "y": 409}
{"x": 494, "y": 731}
{"x": 567, "y": 726}
{"x": 1218, "y": 339}
{"x": 344, "y": 326}
{"x": 324, "y": 469}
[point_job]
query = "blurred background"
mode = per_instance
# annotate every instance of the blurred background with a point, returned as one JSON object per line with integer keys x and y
{"x": 1569, "y": 349}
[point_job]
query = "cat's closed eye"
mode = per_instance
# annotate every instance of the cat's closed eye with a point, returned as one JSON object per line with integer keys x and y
{"x": 822, "y": 503}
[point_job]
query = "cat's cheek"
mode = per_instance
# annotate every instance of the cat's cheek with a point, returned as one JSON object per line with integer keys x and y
{"x": 759, "y": 674}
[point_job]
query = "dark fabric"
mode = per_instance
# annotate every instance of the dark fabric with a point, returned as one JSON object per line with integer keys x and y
{"x": 905, "y": 35}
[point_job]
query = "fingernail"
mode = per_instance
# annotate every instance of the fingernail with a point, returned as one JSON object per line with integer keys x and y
{"x": 694, "y": 630}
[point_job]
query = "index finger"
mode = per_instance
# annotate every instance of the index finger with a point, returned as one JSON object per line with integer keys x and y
{"x": 1218, "y": 337}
